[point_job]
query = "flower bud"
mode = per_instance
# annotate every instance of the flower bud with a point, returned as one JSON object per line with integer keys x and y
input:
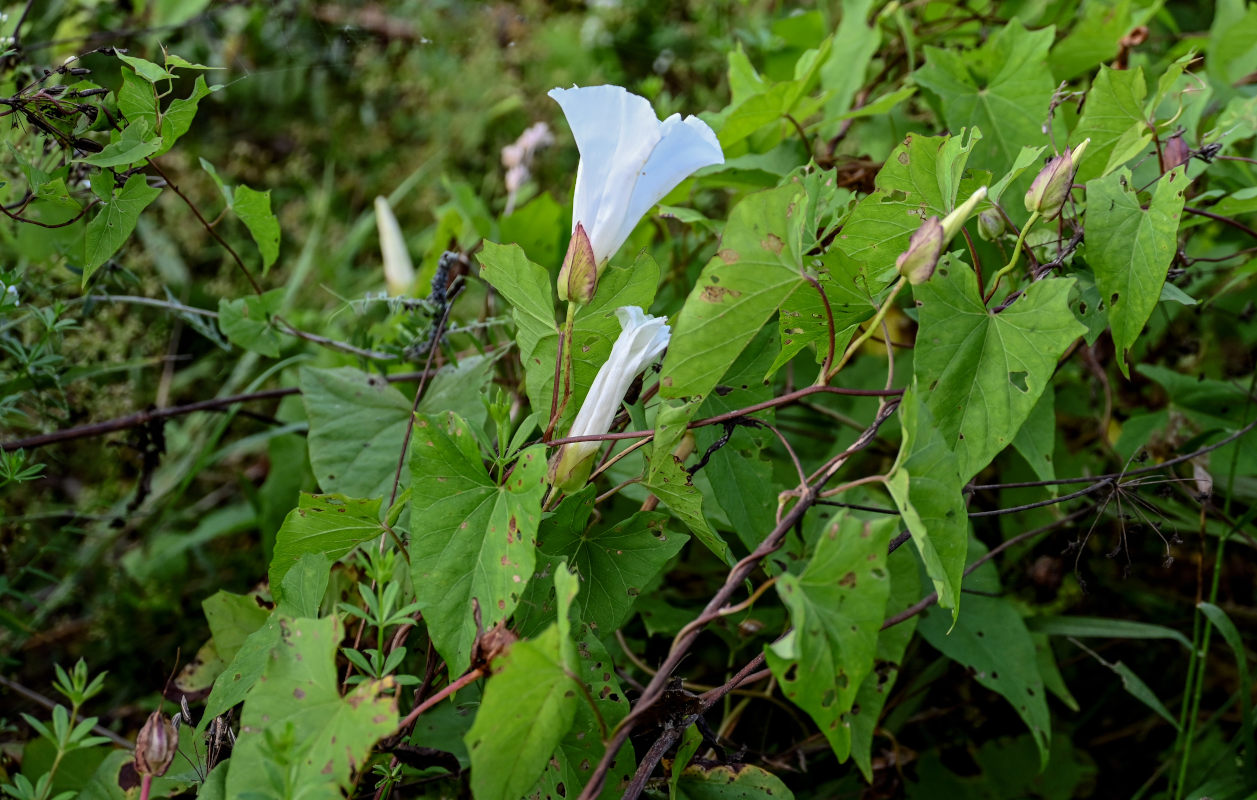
{"x": 570, "y": 467}
{"x": 578, "y": 279}
{"x": 917, "y": 263}
{"x": 953, "y": 222}
{"x": 1177, "y": 153}
{"x": 1051, "y": 186}
{"x": 399, "y": 272}
{"x": 156, "y": 745}
{"x": 990, "y": 225}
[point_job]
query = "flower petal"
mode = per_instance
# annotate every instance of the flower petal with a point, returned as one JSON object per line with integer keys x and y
{"x": 684, "y": 147}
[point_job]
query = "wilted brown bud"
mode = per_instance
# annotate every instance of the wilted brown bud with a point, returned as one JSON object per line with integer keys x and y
{"x": 990, "y": 225}
{"x": 491, "y": 645}
{"x": 917, "y": 263}
{"x": 1176, "y": 152}
{"x": 156, "y": 745}
{"x": 578, "y": 279}
{"x": 1051, "y": 186}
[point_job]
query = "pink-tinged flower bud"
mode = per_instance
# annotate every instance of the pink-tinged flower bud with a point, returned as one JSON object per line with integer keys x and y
{"x": 578, "y": 278}
{"x": 156, "y": 745}
{"x": 917, "y": 263}
{"x": 1051, "y": 186}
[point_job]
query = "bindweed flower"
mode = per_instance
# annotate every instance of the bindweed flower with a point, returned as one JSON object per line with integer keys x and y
{"x": 399, "y": 273}
{"x": 990, "y": 225}
{"x": 642, "y": 339}
{"x": 156, "y": 745}
{"x": 926, "y": 244}
{"x": 628, "y": 159}
{"x": 578, "y": 277}
{"x": 1051, "y": 186}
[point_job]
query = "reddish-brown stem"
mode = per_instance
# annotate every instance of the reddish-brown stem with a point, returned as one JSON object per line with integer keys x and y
{"x": 469, "y": 677}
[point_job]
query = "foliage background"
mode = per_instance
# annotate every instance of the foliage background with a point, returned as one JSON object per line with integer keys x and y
{"x": 108, "y": 555}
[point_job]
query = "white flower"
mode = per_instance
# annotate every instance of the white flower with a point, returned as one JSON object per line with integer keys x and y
{"x": 628, "y": 159}
{"x": 399, "y": 273}
{"x": 642, "y": 339}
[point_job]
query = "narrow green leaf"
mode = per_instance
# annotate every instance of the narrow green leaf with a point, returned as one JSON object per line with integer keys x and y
{"x": 1134, "y": 685}
{"x": 983, "y": 372}
{"x": 1104, "y": 628}
{"x": 471, "y": 539}
{"x": 115, "y": 221}
{"x": 145, "y": 69}
{"x": 836, "y": 607}
{"x": 300, "y": 694}
{"x": 328, "y": 524}
{"x": 928, "y": 492}
{"x": 1131, "y": 249}
{"x": 990, "y": 639}
{"x": 254, "y": 210}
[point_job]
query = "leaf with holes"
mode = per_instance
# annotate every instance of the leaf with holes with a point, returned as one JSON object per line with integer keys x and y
{"x": 920, "y": 179}
{"x": 529, "y": 705}
{"x": 983, "y": 372}
{"x": 471, "y": 539}
{"x": 990, "y": 639}
{"x": 1130, "y": 249}
{"x": 300, "y": 691}
{"x": 732, "y": 782}
{"x": 927, "y": 489}
{"x": 836, "y": 607}
{"x": 328, "y": 524}
{"x": 758, "y": 267}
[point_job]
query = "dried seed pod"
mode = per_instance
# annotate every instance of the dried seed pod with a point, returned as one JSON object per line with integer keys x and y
{"x": 156, "y": 745}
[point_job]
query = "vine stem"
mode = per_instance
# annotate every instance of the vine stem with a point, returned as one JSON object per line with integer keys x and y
{"x": 1012, "y": 263}
{"x": 868, "y": 331}
{"x": 563, "y": 369}
{"x": 468, "y": 678}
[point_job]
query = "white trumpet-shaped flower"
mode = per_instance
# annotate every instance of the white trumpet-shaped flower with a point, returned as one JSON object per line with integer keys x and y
{"x": 642, "y": 339}
{"x": 399, "y": 273}
{"x": 628, "y": 159}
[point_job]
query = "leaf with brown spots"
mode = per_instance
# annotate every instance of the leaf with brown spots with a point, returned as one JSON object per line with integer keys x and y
{"x": 300, "y": 692}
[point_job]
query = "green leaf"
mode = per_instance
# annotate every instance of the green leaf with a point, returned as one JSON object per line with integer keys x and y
{"x": 328, "y": 524}
{"x": 114, "y": 223}
{"x": 358, "y": 421}
{"x": 1004, "y": 87}
{"x": 892, "y": 643}
{"x": 177, "y": 118}
{"x": 300, "y": 693}
{"x": 1104, "y": 628}
{"x": 1096, "y": 37}
{"x": 529, "y": 706}
{"x": 740, "y": 782}
{"x": 299, "y": 596}
{"x": 836, "y": 608}
{"x": 246, "y": 321}
{"x": 920, "y": 179}
{"x": 614, "y": 565}
{"x": 843, "y": 73}
{"x": 232, "y": 619}
{"x": 1036, "y": 440}
{"x": 759, "y": 265}
{"x": 1235, "y": 641}
{"x": 136, "y": 143}
{"x": 983, "y": 372}
{"x": 471, "y": 539}
{"x": 1130, "y": 249}
{"x": 1134, "y": 685}
{"x": 991, "y": 641}
{"x": 675, "y": 488}
{"x": 254, "y": 210}
{"x": 1232, "y": 43}
{"x": 927, "y": 489}
{"x": 145, "y": 69}
{"x": 671, "y": 423}
{"x": 137, "y": 99}
{"x": 1113, "y": 119}
{"x": 526, "y": 286}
